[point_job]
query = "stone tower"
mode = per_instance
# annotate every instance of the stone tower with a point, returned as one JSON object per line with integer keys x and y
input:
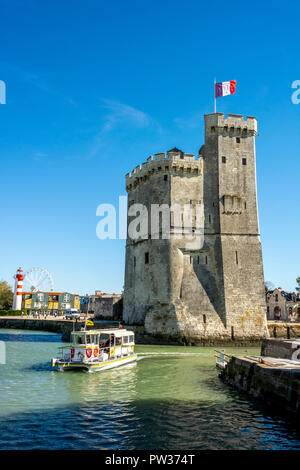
{"x": 212, "y": 293}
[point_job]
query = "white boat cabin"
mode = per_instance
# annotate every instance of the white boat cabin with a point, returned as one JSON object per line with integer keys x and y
{"x": 101, "y": 345}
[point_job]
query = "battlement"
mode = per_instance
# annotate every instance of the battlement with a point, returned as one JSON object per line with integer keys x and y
{"x": 233, "y": 124}
{"x": 172, "y": 161}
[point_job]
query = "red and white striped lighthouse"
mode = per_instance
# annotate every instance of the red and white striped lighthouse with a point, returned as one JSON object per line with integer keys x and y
{"x": 19, "y": 277}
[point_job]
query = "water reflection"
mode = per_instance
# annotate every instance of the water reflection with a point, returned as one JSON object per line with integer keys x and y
{"x": 111, "y": 385}
{"x": 145, "y": 424}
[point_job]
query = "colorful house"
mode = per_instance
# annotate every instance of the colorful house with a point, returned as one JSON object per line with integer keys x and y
{"x": 50, "y": 302}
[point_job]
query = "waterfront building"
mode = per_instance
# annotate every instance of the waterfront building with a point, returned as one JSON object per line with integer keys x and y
{"x": 282, "y": 305}
{"x": 102, "y": 305}
{"x": 50, "y": 302}
{"x": 84, "y": 300}
{"x": 215, "y": 292}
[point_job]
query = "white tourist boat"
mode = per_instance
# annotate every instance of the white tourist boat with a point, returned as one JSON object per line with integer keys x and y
{"x": 97, "y": 350}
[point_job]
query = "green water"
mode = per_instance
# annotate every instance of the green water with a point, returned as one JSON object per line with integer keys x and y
{"x": 171, "y": 398}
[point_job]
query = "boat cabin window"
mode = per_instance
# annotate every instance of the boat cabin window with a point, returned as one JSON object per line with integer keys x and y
{"x": 131, "y": 339}
{"x": 87, "y": 339}
{"x": 94, "y": 339}
{"x": 91, "y": 339}
{"x": 118, "y": 340}
{"x": 104, "y": 337}
{"x": 78, "y": 339}
{"x": 105, "y": 340}
{"x": 125, "y": 339}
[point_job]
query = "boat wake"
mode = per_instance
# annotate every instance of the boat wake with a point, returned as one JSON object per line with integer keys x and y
{"x": 175, "y": 354}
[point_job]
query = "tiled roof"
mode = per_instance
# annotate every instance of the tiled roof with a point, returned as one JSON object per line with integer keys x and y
{"x": 175, "y": 150}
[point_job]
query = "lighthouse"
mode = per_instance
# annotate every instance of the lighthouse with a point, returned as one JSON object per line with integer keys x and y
{"x": 19, "y": 277}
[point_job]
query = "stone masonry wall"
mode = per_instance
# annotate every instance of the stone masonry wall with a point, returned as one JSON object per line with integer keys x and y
{"x": 214, "y": 292}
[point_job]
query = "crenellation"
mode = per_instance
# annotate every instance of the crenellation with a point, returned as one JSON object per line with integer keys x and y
{"x": 234, "y": 123}
{"x": 164, "y": 163}
{"x": 160, "y": 156}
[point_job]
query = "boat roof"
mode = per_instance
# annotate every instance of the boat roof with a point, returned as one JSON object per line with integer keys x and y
{"x": 116, "y": 331}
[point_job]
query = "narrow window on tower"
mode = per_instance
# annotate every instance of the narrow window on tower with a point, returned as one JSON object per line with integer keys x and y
{"x": 190, "y": 260}
{"x": 165, "y": 177}
{"x": 245, "y": 205}
{"x": 244, "y": 161}
{"x": 232, "y": 333}
{"x": 198, "y": 259}
{"x": 236, "y": 258}
{"x": 206, "y": 260}
{"x": 134, "y": 261}
{"x": 204, "y": 318}
{"x": 238, "y": 140}
{"x": 209, "y": 218}
{"x": 146, "y": 258}
{"x": 223, "y": 159}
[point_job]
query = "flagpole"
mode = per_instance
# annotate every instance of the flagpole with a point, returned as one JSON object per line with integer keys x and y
{"x": 215, "y": 101}
{"x": 87, "y": 312}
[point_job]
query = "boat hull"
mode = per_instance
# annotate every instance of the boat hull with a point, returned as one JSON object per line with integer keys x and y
{"x": 98, "y": 367}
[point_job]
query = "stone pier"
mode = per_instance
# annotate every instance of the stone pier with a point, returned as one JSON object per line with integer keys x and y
{"x": 273, "y": 379}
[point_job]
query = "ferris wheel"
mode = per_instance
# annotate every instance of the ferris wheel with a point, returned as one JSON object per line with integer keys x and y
{"x": 37, "y": 279}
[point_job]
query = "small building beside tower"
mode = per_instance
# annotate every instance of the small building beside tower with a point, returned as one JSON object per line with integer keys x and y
{"x": 102, "y": 305}
{"x": 283, "y": 305}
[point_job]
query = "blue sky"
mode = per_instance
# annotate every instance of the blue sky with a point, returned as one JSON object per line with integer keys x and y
{"x": 95, "y": 87}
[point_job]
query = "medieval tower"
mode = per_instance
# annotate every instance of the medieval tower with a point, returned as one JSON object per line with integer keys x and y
{"x": 212, "y": 292}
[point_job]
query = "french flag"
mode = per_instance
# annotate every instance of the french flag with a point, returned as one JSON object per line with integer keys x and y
{"x": 225, "y": 88}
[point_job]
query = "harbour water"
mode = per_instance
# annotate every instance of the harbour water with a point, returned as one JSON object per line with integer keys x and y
{"x": 171, "y": 398}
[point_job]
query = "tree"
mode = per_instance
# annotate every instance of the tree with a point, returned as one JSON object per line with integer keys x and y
{"x": 6, "y": 296}
{"x": 298, "y": 287}
{"x": 269, "y": 286}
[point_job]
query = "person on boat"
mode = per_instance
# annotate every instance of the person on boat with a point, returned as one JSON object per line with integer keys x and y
{"x": 105, "y": 343}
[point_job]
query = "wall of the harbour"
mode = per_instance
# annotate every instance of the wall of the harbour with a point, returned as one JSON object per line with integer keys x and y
{"x": 54, "y": 326}
{"x": 278, "y": 387}
{"x": 283, "y": 329}
{"x": 65, "y": 327}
